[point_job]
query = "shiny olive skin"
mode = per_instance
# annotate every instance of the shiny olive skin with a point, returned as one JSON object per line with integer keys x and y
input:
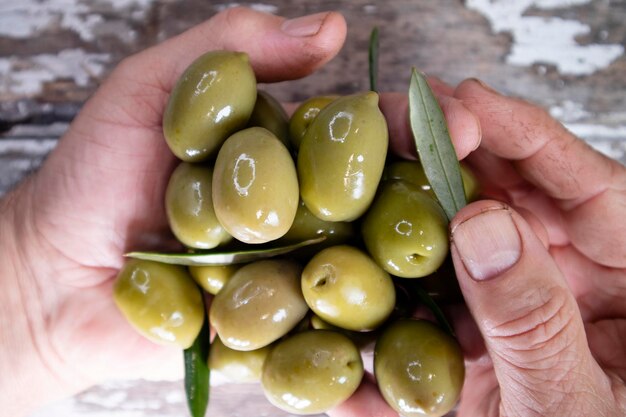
{"x": 311, "y": 372}
{"x": 255, "y": 186}
{"x": 160, "y": 301}
{"x": 346, "y": 288}
{"x": 304, "y": 115}
{"x": 189, "y": 207}
{"x": 413, "y": 172}
{"x": 419, "y": 368}
{"x": 259, "y": 304}
{"x": 342, "y": 156}
{"x": 406, "y": 231}
{"x": 236, "y": 365}
{"x": 212, "y": 277}
{"x": 306, "y": 226}
{"x": 269, "y": 114}
{"x": 211, "y": 100}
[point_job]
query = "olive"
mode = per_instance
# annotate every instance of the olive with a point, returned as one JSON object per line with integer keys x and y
{"x": 419, "y": 368}
{"x": 405, "y": 230}
{"x": 413, "y": 172}
{"x": 212, "y": 277}
{"x": 189, "y": 207}
{"x": 311, "y": 372}
{"x": 160, "y": 301}
{"x": 304, "y": 115}
{"x": 259, "y": 304}
{"x": 212, "y": 99}
{"x": 255, "y": 186}
{"x": 342, "y": 156}
{"x": 236, "y": 365}
{"x": 306, "y": 226}
{"x": 269, "y": 114}
{"x": 346, "y": 288}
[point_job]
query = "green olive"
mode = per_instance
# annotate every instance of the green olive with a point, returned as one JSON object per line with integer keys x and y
{"x": 405, "y": 231}
{"x": 342, "y": 156}
{"x": 269, "y": 114}
{"x": 259, "y": 304}
{"x": 307, "y": 226}
{"x": 413, "y": 172}
{"x": 304, "y": 115}
{"x": 419, "y": 368}
{"x": 212, "y": 99}
{"x": 212, "y": 277}
{"x": 189, "y": 207}
{"x": 311, "y": 372}
{"x": 255, "y": 186}
{"x": 345, "y": 287}
{"x": 236, "y": 365}
{"x": 160, "y": 301}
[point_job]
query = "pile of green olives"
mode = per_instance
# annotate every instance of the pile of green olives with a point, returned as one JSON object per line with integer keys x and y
{"x": 250, "y": 176}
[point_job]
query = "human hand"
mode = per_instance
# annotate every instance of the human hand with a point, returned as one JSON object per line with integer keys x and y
{"x": 542, "y": 270}
{"x": 100, "y": 193}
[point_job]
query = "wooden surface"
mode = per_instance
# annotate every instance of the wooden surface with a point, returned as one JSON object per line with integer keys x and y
{"x": 566, "y": 55}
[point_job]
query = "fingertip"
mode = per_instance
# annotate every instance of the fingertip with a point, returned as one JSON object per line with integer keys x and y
{"x": 463, "y": 125}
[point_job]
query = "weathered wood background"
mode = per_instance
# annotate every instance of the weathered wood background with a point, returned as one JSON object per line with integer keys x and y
{"x": 566, "y": 55}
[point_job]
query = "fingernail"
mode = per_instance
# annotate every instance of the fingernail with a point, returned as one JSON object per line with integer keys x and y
{"x": 304, "y": 26}
{"x": 488, "y": 243}
{"x": 485, "y": 86}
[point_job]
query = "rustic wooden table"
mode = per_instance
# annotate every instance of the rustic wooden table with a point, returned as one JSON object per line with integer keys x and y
{"x": 566, "y": 55}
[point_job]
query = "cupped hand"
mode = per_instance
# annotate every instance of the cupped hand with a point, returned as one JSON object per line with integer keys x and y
{"x": 101, "y": 192}
{"x": 542, "y": 267}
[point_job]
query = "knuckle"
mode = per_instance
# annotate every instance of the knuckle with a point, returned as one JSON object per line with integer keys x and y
{"x": 541, "y": 335}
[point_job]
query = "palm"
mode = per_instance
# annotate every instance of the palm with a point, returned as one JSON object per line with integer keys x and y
{"x": 100, "y": 195}
{"x": 595, "y": 286}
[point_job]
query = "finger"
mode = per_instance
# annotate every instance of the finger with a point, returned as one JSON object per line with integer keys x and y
{"x": 528, "y": 317}
{"x": 588, "y": 186}
{"x": 365, "y": 402}
{"x": 463, "y": 126}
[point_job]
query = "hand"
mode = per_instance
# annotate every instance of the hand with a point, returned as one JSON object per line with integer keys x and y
{"x": 101, "y": 193}
{"x": 542, "y": 270}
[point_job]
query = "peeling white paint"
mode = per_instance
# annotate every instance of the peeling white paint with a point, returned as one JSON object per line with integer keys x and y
{"x": 260, "y": 7}
{"x": 569, "y": 111}
{"x": 546, "y": 40}
{"x": 26, "y": 76}
{"x": 27, "y": 18}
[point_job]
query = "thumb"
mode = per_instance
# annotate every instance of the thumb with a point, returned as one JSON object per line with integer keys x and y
{"x": 529, "y": 319}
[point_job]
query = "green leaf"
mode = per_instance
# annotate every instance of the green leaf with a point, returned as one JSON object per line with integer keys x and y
{"x": 434, "y": 145}
{"x": 373, "y": 59}
{"x": 197, "y": 372}
{"x": 221, "y": 258}
{"x": 434, "y": 308}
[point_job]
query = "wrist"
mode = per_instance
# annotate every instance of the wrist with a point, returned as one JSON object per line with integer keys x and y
{"x": 30, "y": 369}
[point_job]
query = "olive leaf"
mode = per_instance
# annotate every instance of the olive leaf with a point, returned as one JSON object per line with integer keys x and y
{"x": 427, "y": 300}
{"x": 434, "y": 145}
{"x": 197, "y": 372}
{"x": 221, "y": 258}
{"x": 373, "y": 59}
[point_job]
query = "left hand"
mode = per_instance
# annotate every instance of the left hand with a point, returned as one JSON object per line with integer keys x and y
{"x": 101, "y": 193}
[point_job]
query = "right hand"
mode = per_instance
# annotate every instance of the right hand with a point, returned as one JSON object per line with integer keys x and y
{"x": 542, "y": 270}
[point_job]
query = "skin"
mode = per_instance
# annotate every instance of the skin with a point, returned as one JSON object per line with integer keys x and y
{"x": 345, "y": 287}
{"x": 160, "y": 301}
{"x": 405, "y": 230}
{"x": 255, "y": 186}
{"x": 269, "y": 114}
{"x": 189, "y": 207}
{"x": 419, "y": 368}
{"x": 259, "y": 304}
{"x": 342, "y": 156}
{"x": 303, "y": 116}
{"x": 212, "y": 278}
{"x": 222, "y": 81}
{"x": 575, "y": 235}
{"x": 311, "y": 372}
